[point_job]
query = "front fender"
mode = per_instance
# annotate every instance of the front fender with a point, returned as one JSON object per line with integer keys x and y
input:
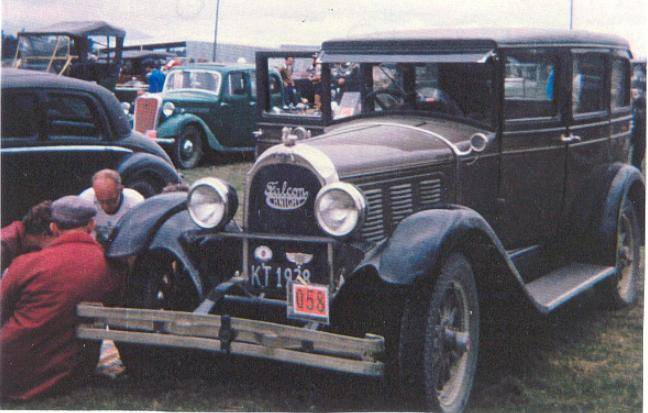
{"x": 419, "y": 243}
{"x": 135, "y": 231}
{"x": 173, "y": 126}
{"x": 144, "y": 164}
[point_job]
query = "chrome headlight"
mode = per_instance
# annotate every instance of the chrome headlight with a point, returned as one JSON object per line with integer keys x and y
{"x": 340, "y": 209}
{"x": 168, "y": 108}
{"x": 211, "y": 202}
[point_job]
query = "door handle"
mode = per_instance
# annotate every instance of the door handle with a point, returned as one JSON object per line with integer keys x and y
{"x": 224, "y": 104}
{"x": 571, "y": 138}
{"x": 252, "y": 103}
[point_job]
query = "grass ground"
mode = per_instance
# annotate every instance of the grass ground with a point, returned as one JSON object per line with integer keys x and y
{"x": 580, "y": 359}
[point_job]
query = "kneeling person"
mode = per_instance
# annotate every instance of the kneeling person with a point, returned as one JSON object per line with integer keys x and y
{"x": 111, "y": 199}
{"x": 39, "y": 294}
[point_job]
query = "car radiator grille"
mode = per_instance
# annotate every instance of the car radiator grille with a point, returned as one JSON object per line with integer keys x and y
{"x": 388, "y": 206}
{"x": 146, "y": 114}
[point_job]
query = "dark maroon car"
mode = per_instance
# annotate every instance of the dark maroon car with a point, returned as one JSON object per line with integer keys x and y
{"x": 456, "y": 174}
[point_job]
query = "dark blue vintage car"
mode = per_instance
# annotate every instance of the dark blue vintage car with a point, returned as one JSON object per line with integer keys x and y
{"x": 57, "y": 132}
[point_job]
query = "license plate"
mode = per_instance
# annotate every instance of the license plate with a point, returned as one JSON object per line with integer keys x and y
{"x": 276, "y": 277}
{"x": 309, "y": 301}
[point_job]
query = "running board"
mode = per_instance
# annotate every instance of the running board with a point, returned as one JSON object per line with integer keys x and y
{"x": 561, "y": 285}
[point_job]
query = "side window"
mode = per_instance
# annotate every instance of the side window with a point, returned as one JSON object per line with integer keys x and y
{"x": 253, "y": 86}
{"x": 72, "y": 116}
{"x": 530, "y": 85}
{"x": 619, "y": 92}
{"x": 588, "y": 82}
{"x": 237, "y": 84}
{"x": 19, "y": 115}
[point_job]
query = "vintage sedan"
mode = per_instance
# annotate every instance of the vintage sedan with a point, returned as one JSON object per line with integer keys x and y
{"x": 470, "y": 173}
{"x": 57, "y": 132}
{"x": 203, "y": 107}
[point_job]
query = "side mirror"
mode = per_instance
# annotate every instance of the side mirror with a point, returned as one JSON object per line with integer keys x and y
{"x": 478, "y": 142}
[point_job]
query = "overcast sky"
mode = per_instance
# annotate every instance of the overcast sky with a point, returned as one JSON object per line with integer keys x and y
{"x": 276, "y": 22}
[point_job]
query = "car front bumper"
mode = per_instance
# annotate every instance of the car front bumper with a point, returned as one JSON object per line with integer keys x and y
{"x": 229, "y": 335}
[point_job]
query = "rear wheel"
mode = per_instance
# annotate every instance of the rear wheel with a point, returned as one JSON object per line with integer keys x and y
{"x": 188, "y": 148}
{"x": 157, "y": 282}
{"x": 146, "y": 188}
{"x": 440, "y": 338}
{"x": 621, "y": 290}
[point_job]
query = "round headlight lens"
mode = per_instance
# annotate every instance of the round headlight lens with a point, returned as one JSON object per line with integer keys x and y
{"x": 168, "y": 108}
{"x": 340, "y": 209}
{"x": 207, "y": 202}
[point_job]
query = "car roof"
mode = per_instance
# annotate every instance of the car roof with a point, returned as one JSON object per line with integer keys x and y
{"x": 32, "y": 79}
{"x": 80, "y": 28}
{"x": 469, "y": 38}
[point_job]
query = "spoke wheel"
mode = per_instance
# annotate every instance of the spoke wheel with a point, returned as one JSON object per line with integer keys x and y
{"x": 157, "y": 282}
{"x": 621, "y": 290}
{"x": 440, "y": 338}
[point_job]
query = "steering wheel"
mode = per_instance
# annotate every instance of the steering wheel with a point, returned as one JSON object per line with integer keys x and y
{"x": 386, "y": 98}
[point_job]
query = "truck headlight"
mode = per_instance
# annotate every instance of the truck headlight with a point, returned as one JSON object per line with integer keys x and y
{"x": 340, "y": 209}
{"x": 211, "y": 202}
{"x": 168, "y": 108}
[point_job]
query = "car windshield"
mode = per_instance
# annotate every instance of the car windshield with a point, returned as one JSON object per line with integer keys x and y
{"x": 39, "y": 52}
{"x": 463, "y": 90}
{"x": 189, "y": 79}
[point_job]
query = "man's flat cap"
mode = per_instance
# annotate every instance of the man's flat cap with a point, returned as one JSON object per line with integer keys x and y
{"x": 72, "y": 211}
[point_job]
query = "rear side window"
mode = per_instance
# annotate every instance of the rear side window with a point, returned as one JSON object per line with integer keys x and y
{"x": 19, "y": 115}
{"x": 237, "y": 84}
{"x": 588, "y": 80}
{"x": 71, "y": 116}
{"x": 620, "y": 84}
{"x": 530, "y": 85}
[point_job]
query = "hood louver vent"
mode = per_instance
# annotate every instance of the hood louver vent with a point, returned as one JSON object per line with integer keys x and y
{"x": 389, "y": 206}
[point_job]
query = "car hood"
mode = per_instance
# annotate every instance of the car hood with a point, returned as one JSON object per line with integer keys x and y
{"x": 392, "y": 144}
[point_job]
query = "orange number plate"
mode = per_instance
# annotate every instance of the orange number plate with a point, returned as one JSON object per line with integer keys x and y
{"x": 310, "y": 300}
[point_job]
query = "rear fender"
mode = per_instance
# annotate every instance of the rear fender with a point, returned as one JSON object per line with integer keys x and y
{"x": 591, "y": 228}
{"x": 141, "y": 164}
{"x": 173, "y": 126}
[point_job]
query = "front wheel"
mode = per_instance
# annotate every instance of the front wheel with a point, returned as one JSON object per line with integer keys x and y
{"x": 157, "y": 282}
{"x": 440, "y": 339}
{"x": 188, "y": 148}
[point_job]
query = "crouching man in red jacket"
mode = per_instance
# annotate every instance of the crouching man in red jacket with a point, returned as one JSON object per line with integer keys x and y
{"x": 38, "y": 296}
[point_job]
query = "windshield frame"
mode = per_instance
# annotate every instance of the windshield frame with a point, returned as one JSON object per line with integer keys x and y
{"x": 219, "y": 82}
{"x": 20, "y": 58}
{"x": 265, "y": 115}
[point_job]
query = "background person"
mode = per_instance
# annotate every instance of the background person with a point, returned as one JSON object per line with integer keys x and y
{"x": 39, "y": 294}
{"x": 111, "y": 199}
{"x": 30, "y": 234}
{"x": 286, "y": 71}
{"x": 155, "y": 78}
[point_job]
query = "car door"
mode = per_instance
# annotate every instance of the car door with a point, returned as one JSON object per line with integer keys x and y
{"x": 22, "y": 134}
{"x": 78, "y": 140}
{"x": 588, "y": 136}
{"x": 240, "y": 114}
{"x": 533, "y": 154}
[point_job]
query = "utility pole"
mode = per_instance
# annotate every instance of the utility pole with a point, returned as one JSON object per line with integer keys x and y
{"x": 571, "y": 14}
{"x": 215, "y": 32}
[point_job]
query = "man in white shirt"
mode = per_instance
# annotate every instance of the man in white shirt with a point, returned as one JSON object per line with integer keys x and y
{"x": 111, "y": 199}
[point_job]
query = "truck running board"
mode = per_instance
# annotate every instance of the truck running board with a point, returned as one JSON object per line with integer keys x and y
{"x": 224, "y": 334}
{"x": 561, "y": 285}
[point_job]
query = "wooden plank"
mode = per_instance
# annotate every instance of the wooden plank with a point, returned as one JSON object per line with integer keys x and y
{"x": 366, "y": 368}
{"x": 326, "y": 341}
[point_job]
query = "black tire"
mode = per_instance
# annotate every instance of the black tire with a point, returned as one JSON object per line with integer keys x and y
{"x": 439, "y": 339}
{"x": 622, "y": 289}
{"x": 157, "y": 282}
{"x": 146, "y": 188}
{"x": 188, "y": 149}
